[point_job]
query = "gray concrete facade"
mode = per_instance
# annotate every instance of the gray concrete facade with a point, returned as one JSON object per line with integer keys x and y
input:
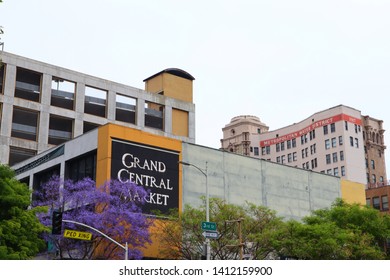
{"x": 48, "y": 114}
{"x": 292, "y": 192}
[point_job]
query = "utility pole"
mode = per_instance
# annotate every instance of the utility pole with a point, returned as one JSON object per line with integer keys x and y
{"x": 240, "y": 243}
{"x": 205, "y": 174}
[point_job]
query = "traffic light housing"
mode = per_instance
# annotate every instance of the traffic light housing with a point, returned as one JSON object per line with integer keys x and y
{"x": 56, "y": 222}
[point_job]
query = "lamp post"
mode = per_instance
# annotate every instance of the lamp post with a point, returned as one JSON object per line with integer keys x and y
{"x": 204, "y": 172}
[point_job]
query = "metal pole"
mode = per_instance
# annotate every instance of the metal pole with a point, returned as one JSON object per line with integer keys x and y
{"x": 204, "y": 172}
{"x": 126, "y": 248}
{"x": 207, "y": 214}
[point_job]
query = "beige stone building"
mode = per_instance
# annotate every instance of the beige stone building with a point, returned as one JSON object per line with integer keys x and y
{"x": 338, "y": 141}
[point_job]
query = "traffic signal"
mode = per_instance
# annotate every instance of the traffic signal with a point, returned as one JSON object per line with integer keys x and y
{"x": 56, "y": 222}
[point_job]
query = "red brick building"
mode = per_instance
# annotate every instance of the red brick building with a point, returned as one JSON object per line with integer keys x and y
{"x": 378, "y": 197}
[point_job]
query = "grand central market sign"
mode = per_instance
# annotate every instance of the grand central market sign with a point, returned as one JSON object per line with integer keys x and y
{"x": 154, "y": 168}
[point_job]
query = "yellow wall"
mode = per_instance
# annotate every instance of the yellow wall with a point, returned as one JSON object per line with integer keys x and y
{"x": 179, "y": 122}
{"x": 103, "y": 168}
{"x": 172, "y": 85}
{"x": 352, "y": 192}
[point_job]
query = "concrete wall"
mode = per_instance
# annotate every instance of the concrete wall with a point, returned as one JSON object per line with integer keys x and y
{"x": 290, "y": 191}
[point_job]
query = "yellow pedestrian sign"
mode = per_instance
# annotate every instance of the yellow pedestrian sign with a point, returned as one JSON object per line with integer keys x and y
{"x": 77, "y": 234}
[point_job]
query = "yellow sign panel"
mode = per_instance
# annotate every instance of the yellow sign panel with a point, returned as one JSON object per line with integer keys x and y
{"x": 77, "y": 234}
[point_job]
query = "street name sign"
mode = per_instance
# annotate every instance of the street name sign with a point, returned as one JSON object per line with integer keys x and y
{"x": 211, "y": 234}
{"x": 77, "y": 234}
{"x": 209, "y": 226}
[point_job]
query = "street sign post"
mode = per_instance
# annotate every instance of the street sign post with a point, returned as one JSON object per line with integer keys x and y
{"x": 211, "y": 234}
{"x": 209, "y": 226}
{"x": 77, "y": 234}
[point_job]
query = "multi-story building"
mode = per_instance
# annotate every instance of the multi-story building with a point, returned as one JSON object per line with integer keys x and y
{"x": 338, "y": 141}
{"x": 43, "y": 105}
{"x": 378, "y": 198}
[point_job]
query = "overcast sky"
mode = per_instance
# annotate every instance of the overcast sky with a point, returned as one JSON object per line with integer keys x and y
{"x": 280, "y": 60}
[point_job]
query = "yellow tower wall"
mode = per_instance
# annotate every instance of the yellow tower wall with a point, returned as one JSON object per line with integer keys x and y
{"x": 352, "y": 192}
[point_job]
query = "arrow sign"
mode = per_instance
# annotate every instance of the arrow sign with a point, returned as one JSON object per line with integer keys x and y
{"x": 211, "y": 234}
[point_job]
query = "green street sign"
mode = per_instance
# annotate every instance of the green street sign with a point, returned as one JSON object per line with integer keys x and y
{"x": 209, "y": 226}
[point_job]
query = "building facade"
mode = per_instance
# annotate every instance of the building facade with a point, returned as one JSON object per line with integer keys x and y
{"x": 43, "y": 105}
{"x": 116, "y": 152}
{"x": 338, "y": 141}
{"x": 378, "y": 198}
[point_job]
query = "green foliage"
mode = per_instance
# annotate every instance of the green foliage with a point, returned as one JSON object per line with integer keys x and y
{"x": 181, "y": 236}
{"x": 342, "y": 232}
{"x": 20, "y": 229}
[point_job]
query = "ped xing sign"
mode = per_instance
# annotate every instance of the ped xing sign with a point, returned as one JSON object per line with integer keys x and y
{"x": 77, "y": 234}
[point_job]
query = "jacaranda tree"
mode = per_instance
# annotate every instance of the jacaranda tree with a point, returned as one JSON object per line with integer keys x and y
{"x": 114, "y": 209}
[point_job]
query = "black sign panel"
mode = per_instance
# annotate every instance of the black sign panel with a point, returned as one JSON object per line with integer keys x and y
{"x": 154, "y": 168}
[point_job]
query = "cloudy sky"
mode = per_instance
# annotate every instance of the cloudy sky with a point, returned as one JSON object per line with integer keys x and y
{"x": 280, "y": 60}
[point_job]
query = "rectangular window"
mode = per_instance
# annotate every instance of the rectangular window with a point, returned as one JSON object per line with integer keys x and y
{"x": 340, "y": 140}
{"x": 268, "y": 149}
{"x": 303, "y": 153}
{"x": 278, "y": 147}
{"x": 314, "y": 163}
{"x": 289, "y": 157}
{"x": 125, "y": 109}
{"x": 25, "y": 124}
{"x": 81, "y": 167}
{"x": 60, "y": 130}
{"x": 342, "y": 170}
{"x": 294, "y": 156}
{"x": 263, "y": 151}
{"x": 154, "y": 115}
{"x": 95, "y": 101}
{"x": 294, "y": 142}
{"x": 351, "y": 141}
{"x": 278, "y": 159}
{"x": 356, "y": 143}
{"x": 313, "y": 149}
{"x": 372, "y": 164}
{"x": 334, "y": 143}
{"x": 346, "y": 125}
{"x": 341, "y": 155}
{"x": 283, "y": 159}
{"x": 282, "y": 146}
{"x": 327, "y": 144}
{"x": 288, "y": 144}
{"x": 2, "y": 67}
{"x": 376, "y": 202}
{"x": 356, "y": 128}
{"x": 328, "y": 160}
{"x": 62, "y": 93}
{"x": 28, "y": 84}
{"x": 312, "y": 134}
{"x": 325, "y": 129}
{"x": 336, "y": 171}
{"x": 87, "y": 126}
{"x": 256, "y": 151}
{"x": 332, "y": 127}
{"x": 385, "y": 203}
{"x": 19, "y": 154}
{"x": 329, "y": 171}
{"x": 334, "y": 155}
